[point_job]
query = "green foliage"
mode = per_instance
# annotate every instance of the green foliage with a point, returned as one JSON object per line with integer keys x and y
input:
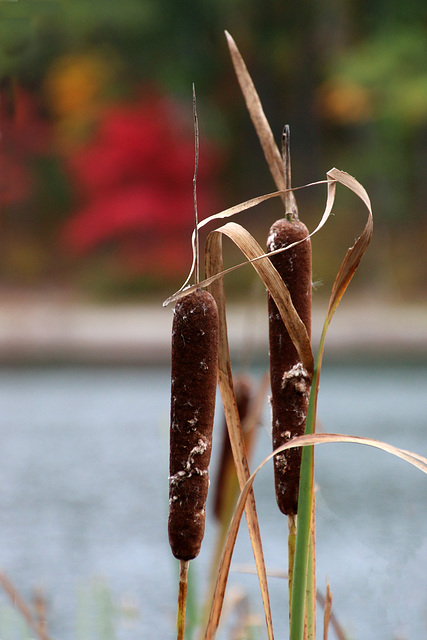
{"x": 193, "y": 611}
{"x": 12, "y": 625}
{"x": 96, "y": 613}
{"x": 391, "y": 65}
{"x": 37, "y": 32}
{"x": 97, "y": 616}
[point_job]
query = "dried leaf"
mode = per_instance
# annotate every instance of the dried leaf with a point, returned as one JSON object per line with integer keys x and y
{"x": 420, "y": 462}
{"x": 355, "y": 253}
{"x": 256, "y": 112}
{"x": 213, "y": 263}
{"x": 227, "y": 213}
{"x": 20, "y": 604}
{"x": 232, "y": 211}
{"x": 327, "y": 612}
{"x": 274, "y": 283}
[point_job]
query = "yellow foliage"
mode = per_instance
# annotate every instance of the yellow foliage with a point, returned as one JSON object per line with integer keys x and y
{"x": 345, "y": 102}
{"x": 75, "y": 83}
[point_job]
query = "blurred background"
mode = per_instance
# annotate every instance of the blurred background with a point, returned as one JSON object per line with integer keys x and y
{"x": 96, "y": 213}
{"x": 97, "y": 146}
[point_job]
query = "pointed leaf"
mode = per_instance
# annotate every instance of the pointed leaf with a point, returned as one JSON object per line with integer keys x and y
{"x": 256, "y": 112}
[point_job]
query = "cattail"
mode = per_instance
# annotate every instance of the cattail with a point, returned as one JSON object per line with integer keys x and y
{"x": 290, "y": 382}
{"x": 194, "y": 376}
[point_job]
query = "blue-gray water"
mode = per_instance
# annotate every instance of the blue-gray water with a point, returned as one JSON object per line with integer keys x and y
{"x": 83, "y": 494}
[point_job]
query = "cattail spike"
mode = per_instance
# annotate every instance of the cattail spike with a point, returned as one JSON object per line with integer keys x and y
{"x": 193, "y": 390}
{"x": 290, "y": 382}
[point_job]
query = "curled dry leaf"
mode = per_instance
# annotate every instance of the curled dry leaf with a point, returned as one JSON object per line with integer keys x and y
{"x": 355, "y": 253}
{"x": 274, "y": 283}
{"x": 227, "y": 213}
{"x": 232, "y": 211}
{"x": 420, "y": 462}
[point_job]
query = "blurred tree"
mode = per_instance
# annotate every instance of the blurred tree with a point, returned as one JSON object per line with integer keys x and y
{"x": 133, "y": 183}
{"x": 349, "y": 76}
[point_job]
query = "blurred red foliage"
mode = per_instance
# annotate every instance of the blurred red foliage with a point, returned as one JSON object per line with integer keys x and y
{"x": 134, "y": 182}
{"x": 24, "y": 133}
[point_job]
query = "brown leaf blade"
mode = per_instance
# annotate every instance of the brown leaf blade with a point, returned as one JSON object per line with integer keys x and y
{"x": 226, "y": 213}
{"x": 355, "y": 253}
{"x": 256, "y": 112}
{"x": 238, "y": 208}
{"x": 213, "y": 264}
{"x": 274, "y": 283}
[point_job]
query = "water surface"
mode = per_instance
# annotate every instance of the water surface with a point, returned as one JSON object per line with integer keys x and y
{"x": 83, "y": 494}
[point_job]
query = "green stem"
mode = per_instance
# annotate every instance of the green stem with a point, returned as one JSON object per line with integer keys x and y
{"x": 305, "y": 509}
{"x": 301, "y": 547}
{"x": 292, "y": 535}
{"x": 311, "y": 582}
{"x": 306, "y": 505}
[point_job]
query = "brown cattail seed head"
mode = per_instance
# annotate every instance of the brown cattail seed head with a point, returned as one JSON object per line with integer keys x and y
{"x": 290, "y": 383}
{"x": 193, "y": 389}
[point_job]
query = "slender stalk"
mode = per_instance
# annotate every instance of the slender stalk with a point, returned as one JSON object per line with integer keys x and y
{"x": 292, "y": 536}
{"x": 324, "y": 601}
{"x": 182, "y": 599}
{"x": 327, "y": 612}
{"x": 290, "y": 202}
{"x": 196, "y": 163}
{"x": 305, "y": 511}
{"x": 299, "y": 585}
{"x": 310, "y": 607}
{"x": 38, "y": 627}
